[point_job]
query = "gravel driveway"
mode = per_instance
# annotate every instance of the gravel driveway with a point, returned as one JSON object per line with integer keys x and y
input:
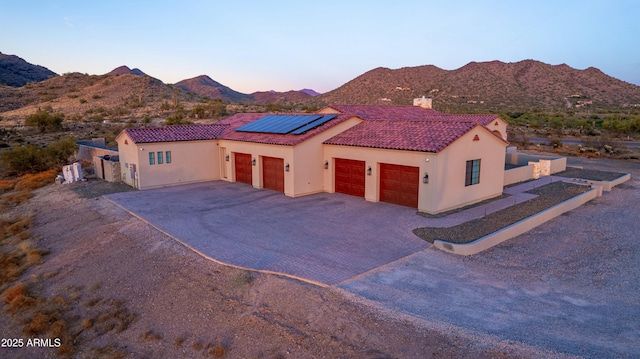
{"x": 570, "y": 285}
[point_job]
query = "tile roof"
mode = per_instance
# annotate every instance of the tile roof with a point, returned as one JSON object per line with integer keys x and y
{"x": 389, "y": 112}
{"x": 394, "y": 127}
{"x": 483, "y": 119}
{"x": 410, "y": 135}
{"x": 241, "y": 119}
{"x": 386, "y": 112}
{"x": 175, "y": 133}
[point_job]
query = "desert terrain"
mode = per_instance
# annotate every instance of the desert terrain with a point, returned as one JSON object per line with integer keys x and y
{"x": 108, "y": 285}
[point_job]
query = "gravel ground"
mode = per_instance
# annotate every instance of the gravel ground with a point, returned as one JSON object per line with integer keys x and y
{"x": 589, "y": 174}
{"x": 548, "y": 196}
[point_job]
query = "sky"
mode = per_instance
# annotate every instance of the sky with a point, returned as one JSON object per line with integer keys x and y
{"x": 251, "y": 45}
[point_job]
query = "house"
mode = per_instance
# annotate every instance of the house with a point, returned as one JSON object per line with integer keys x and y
{"x": 407, "y": 155}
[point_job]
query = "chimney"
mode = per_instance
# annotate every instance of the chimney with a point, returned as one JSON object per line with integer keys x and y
{"x": 423, "y": 102}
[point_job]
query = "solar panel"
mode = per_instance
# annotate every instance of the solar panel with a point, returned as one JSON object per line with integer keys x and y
{"x": 285, "y": 124}
{"x": 313, "y": 124}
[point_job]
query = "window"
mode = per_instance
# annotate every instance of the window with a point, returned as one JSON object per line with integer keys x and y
{"x": 152, "y": 158}
{"x": 472, "y": 175}
{"x": 159, "y": 157}
{"x": 167, "y": 156}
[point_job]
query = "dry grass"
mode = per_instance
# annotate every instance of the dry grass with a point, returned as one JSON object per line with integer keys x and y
{"x": 34, "y": 181}
{"x": 17, "y": 298}
{"x": 17, "y": 252}
{"x": 14, "y": 198}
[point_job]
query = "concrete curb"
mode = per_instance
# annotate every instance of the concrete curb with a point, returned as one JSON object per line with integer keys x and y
{"x": 519, "y": 227}
{"x": 608, "y": 185}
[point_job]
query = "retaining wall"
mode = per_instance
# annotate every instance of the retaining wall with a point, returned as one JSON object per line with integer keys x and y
{"x": 519, "y": 227}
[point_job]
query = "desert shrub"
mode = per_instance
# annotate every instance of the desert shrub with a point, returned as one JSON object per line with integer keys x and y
{"x": 45, "y": 121}
{"x": 30, "y": 158}
{"x": 177, "y": 119}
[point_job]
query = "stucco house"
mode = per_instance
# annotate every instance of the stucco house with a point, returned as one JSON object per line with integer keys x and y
{"x": 407, "y": 155}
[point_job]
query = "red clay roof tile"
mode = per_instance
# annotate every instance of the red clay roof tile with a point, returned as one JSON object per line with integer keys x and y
{"x": 409, "y": 135}
{"x": 175, "y": 133}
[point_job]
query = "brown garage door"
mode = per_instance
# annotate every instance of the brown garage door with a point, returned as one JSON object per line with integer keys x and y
{"x": 349, "y": 177}
{"x": 399, "y": 184}
{"x": 273, "y": 173}
{"x": 243, "y": 167}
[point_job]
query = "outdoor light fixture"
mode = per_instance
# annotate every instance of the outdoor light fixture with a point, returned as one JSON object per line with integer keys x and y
{"x": 425, "y": 179}
{"x": 253, "y": 162}
{"x": 226, "y": 158}
{"x": 369, "y": 171}
{"x": 326, "y": 165}
{"x": 286, "y": 167}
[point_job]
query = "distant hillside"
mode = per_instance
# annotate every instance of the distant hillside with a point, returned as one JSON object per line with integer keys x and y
{"x": 280, "y": 97}
{"x": 489, "y": 86}
{"x": 17, "y": 72}
{"x": 93, "y": 96}
{"x": 206, "y": 87}
{"x": 123, "y": 70}
{"x": 309, "y": 92}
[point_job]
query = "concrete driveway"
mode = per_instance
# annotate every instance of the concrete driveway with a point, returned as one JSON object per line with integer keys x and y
{"x": 324, "y": 238}
{"x": 571, "y": 285}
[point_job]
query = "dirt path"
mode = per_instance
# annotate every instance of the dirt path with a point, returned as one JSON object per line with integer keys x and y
{"x": 128, "y": 290}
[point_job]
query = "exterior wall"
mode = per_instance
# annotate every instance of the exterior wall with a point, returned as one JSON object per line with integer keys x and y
{"x": 446, "y": 189}
{"x": 309, "y": 159}
{"x": 257, "y": 150}
{"x": 191, "y": 161}
{"x": 373, "y": 157}
{"x": 518, "y": 174}
{"x": 305, "y": 160}
{"x": 449, "y": 190}
{"x": 87, "y": 151}
{"x": 558, "y": 164}
{"x": 500, "y": 126}
{"x": 128, "y": 154}
{"x": 112, "y": 172}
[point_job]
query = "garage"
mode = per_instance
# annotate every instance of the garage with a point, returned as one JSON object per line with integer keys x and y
{"x": 349, "y": 177}
{"x": 243, "y": 167}
{"x": 273, "y": 173}
{"x": 399, "y": 184}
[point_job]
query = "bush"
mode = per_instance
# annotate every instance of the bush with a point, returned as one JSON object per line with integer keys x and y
{"x": 45, "y": 121}
{"x": 30, "y": 158}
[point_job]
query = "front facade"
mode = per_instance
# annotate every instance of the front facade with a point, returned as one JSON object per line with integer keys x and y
{"x": 405, "y": 155}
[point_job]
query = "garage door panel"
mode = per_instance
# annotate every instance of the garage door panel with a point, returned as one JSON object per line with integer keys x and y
{"x": 244, "y": 169}
{"x": 399, "y": 184}
{"x": 349, "y": 177}
{"x": 273, "y": 173}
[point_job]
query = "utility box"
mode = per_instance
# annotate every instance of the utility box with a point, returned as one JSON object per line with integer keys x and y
{"x": 72, "y": 173}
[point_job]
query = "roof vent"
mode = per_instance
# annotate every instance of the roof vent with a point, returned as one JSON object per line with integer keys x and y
{"x": 423, "y": 102}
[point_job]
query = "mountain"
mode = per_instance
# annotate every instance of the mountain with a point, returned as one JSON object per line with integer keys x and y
{"x": 122, "y": 70}
{"x": 309, "y": 92}
{"x": 280, "y": 97}
{"x": 206, "y": 87}
{"x": 84, "y": 96}
{"x": 16, "y": 72}
{"x": 489, "y": 86}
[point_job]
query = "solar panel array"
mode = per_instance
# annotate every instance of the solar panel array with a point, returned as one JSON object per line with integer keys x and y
{"x": 286, "y": 124}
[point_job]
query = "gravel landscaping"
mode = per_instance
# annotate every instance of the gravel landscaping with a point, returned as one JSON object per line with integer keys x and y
{"x": 548, "y": 196}
{"x": 594, "y": 175}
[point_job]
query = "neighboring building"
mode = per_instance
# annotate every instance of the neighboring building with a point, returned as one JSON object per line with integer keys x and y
{"x": 408, "y": 155}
